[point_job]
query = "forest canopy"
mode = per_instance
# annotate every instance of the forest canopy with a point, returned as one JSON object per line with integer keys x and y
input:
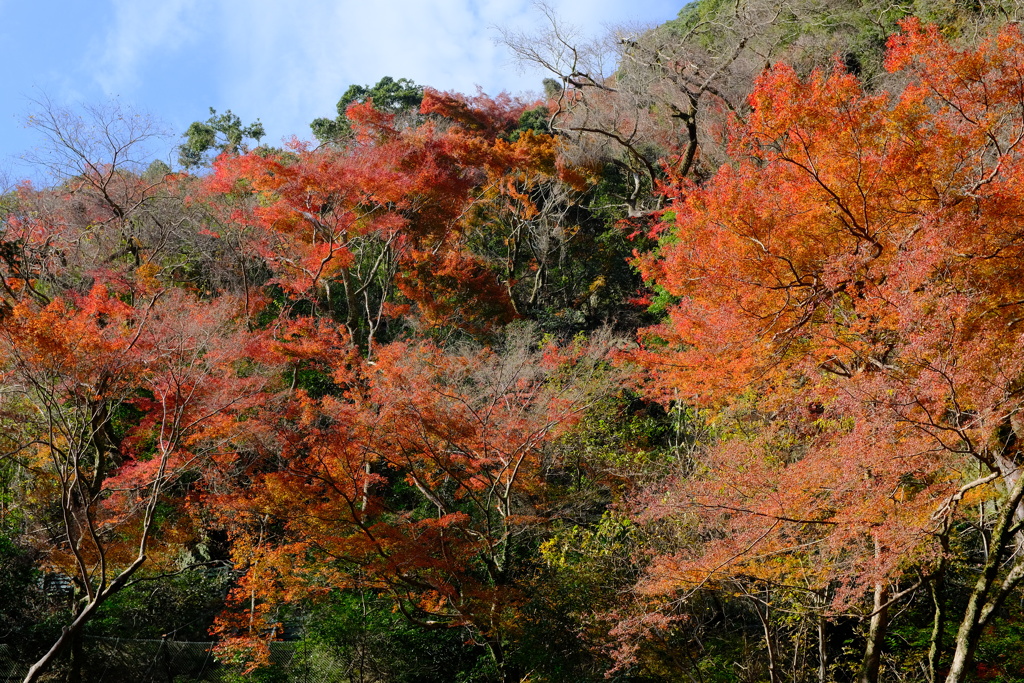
{"x": 707, "y": 364}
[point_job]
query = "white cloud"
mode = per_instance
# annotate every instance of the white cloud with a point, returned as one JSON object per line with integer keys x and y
{"x": 140, "y": 31}
{"x": 287, "y": 62}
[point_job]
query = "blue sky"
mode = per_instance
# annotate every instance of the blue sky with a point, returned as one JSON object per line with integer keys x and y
{"x": 285, "y": 62}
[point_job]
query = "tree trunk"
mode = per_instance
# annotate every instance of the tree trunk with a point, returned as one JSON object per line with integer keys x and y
{"x": 987, "y": 596}
{"x": 876, "y": 635}
{"x": 823, "y": 661}
{"x": 966, "y": 639}
{"x": 769, "y": 643}
{"x": 73, "y": 630}
{"x": 937, "y": 588}
{"x": 77, "y": 655}
{"x": 497, "y": 652}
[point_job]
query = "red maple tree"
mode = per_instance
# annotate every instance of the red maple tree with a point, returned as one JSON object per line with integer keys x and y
{"x": 846, "y": 302}
{"x": 420, "y": 477}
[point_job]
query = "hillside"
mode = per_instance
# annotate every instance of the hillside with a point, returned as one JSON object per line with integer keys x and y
{"x": 707, "y": 365}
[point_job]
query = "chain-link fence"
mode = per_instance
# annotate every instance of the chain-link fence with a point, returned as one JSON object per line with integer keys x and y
{"x": 119, "y": 660}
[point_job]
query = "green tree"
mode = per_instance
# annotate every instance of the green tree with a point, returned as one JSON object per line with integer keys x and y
{"x": 221, "y": 133}
{"x": 389, "y": 96}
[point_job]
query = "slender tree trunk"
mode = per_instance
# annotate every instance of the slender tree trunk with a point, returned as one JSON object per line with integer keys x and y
{"x": 937, "y": 589}
{"x": 66, "y": 637}
{"x": 823, "y": 661}
{"x": 876, "y": 635}
{"x": 72, "y": 631}
{"x": 497, "y": 652}
{"x": 773, "y": 675}
{"x": 989, "y": 593}
{"x": 365, "y": 500}
{"x": 773, "y": 666}
{"x": 985, "y": 600}
{"x": 77, "y": 655}
{"x": 165, "y": 647}
{"x": 966, "y": 638}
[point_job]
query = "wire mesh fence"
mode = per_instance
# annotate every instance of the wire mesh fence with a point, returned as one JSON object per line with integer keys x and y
{"x": 117, "y": 660}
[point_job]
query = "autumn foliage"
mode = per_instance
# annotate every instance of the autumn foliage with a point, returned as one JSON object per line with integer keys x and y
{"x": 407, "y": 380}
{"x": 846, "y": 303}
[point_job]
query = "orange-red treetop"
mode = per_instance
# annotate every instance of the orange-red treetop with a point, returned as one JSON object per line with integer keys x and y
{"x": 415, "y": 479}
{"x": 378, "y": 227}
{"x": 848, "y": 307}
